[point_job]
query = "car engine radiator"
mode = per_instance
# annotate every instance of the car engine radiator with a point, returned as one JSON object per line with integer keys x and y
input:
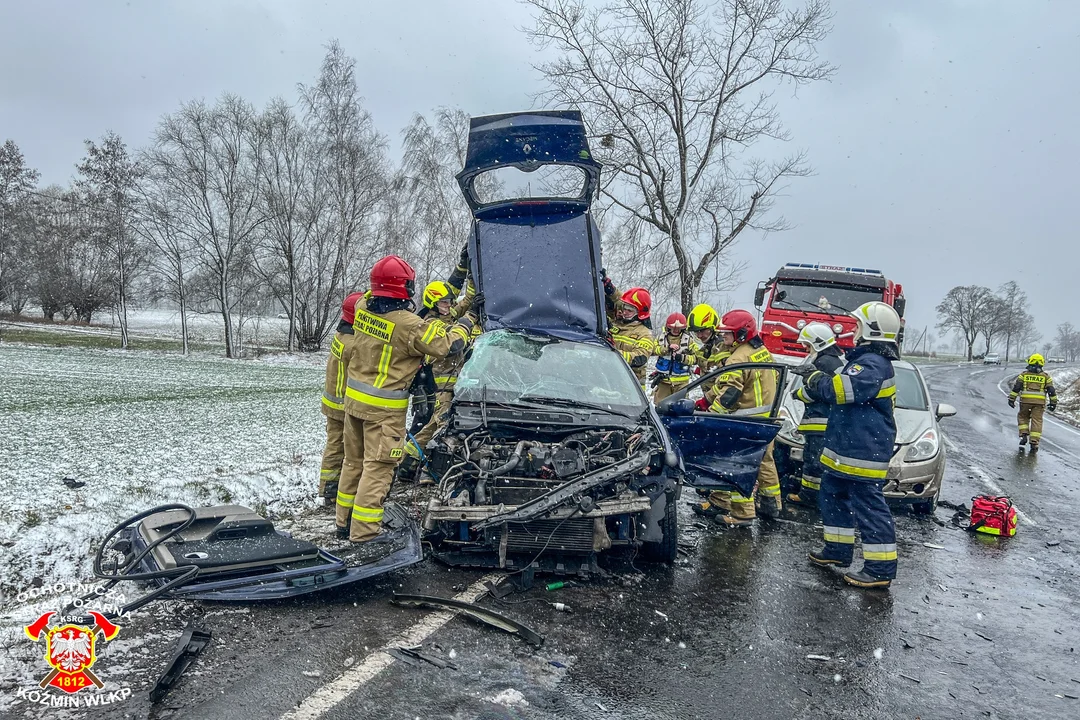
{"x": 575, "y": 536}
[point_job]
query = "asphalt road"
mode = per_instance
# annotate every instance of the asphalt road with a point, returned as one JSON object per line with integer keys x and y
{"x": 984, "y": 627}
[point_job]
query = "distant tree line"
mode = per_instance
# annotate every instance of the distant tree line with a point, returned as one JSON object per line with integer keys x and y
{"x": 236, "y": 211}
{"x": 999, "y": 319}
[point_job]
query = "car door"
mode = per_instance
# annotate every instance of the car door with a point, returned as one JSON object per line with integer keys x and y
{"x": 721, "y": 452}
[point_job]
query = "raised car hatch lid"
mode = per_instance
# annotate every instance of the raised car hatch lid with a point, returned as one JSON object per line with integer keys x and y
{"x": 535, "y": 248}
{"x": 527, "y": 141}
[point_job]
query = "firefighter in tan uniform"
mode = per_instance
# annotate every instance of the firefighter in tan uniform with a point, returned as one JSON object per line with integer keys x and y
{"x": 437, "y": 300}
{"x": 1032, "y": 387}
{"x": 333, "y": 399}
{"x": 748, "y": 393}
{"x": 630, "y": 327}
{"x": 713, "y": 350}
{"x": 674, "y": 352}
{"x": 389, "y": 344}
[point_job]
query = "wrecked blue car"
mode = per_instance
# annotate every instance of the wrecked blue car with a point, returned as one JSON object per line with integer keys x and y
{"x": 552, "y": 453}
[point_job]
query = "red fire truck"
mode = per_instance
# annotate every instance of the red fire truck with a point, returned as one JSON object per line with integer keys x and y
{"x": 800, "y": 293}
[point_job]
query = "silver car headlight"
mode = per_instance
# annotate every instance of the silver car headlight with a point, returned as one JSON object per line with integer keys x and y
{"x": 924, "y": 448}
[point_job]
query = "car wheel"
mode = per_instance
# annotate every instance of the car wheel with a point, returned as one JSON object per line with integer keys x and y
{"x": 925, "y": 508}
{"x": 668, "y": 548}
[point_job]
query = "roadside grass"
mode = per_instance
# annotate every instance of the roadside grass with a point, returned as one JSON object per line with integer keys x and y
{"x": 59, "y": 338}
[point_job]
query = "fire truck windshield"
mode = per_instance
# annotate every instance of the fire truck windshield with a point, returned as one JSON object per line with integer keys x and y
{"x": 822, "y": 297}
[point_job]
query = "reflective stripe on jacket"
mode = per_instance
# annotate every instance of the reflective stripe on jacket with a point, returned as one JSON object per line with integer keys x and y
{"x": 635, "y": 343}
{"x": 1032, "y": 388}
{"x": 745, "y": 391}
{"x": 337, "y": 369}
{"x": 386, "y": 354}
{"x": 816, "y": 415}
{"x": 861, "y": 430}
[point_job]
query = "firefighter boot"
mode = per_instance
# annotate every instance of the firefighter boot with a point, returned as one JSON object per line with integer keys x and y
{"x": 342, "y": 533}
{"x": 406, "y": 470}
{"x": 820, "y": 559}
{"x": 865, "y": 580}
{"x": 1023, "y": 439}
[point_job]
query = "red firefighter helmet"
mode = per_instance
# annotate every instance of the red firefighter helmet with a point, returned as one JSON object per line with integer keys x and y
{"x": 348, "y": 308}
{"x": 392, "y": 277}
{"x": 639, "y": 299}
{"x": 741, "y": 323}
{"x": 676, "y": 322}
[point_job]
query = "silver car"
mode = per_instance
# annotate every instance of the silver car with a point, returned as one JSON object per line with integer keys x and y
{"x": 918, "y": 462}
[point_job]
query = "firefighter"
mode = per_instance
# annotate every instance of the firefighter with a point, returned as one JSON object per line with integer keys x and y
{"x": 824, "y": 355}
{"x": 712, "y": 350}
{"x": 674, "y": 350}
{"x": 1032, "y": 387}
{"x": 745, "y": 392}
{"x": 437, "y": 300}
{"x": 333, "y": 400}
{"x": 389, "y": 345}
{"x": 630, "y": 326}
{"x": 858, "y": 446}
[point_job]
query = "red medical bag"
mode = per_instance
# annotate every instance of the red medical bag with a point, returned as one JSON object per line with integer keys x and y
{"x": 992, "y": 515}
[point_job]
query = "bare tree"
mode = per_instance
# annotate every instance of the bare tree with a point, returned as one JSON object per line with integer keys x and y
{"x": 354, "y": 172}
{"x": 962, "y": 310}
{"x": 210, "y": 158}
{"x": 107, "y": 178}
{"x": 1016, "y": 317}
{"x": 993, "y": 321}
{"x": 677, "y": 91}
{"x": 17, "y": 182}
{"x": 1068, "y": 341}
{"x": 158, "y": 223}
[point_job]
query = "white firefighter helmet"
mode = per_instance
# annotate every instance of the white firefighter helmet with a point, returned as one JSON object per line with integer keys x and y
{"x": 878, "y": 322}
{"x": 817, "y": 336}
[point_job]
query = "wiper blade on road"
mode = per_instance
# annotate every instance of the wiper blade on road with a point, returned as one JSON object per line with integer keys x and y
{"x": 567, "y": 402}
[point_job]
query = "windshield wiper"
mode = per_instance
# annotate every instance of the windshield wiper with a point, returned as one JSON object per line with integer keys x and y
{"x": 567, "y": 402}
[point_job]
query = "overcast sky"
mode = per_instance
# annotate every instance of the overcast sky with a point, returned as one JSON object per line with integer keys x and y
{"x": 945, "y": 148}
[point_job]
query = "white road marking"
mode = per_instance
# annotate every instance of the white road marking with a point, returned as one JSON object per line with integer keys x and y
{"x": 328, "y": 696}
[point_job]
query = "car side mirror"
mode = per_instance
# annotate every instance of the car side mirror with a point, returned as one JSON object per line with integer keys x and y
{"x": 759, "y": 297}
{"x": 677, "y": 408}
{"x": 900, "y": 304}
{"x": 943, "y": 411}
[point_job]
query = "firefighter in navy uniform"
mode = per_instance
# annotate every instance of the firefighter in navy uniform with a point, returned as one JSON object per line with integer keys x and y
{"x": 746, "y": 392}
{"x": 858, "y": 446}
{"x": 1032, "y": 387}
{"x": 674, "y": 352}
{"x": 630, "y": 327}
{"x": 333, "y": 400}
{"x": 389, "y": 345}
{"x": 826, "y": 356}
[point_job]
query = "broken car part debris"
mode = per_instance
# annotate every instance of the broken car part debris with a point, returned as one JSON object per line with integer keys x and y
{"x": 191, "y": 643}
{"x": 484, "y": 615}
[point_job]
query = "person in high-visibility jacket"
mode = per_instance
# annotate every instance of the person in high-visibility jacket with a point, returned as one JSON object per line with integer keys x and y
{"x": 747, "y": 392}
{"x": 712, "y": 349}
{"x": 674, "y": 351}
{"x": 389, "y": 345}
{"x": 825, "y": 355}
{"x": 437, "y": 300}
{"x": 630, "y": 327}
{"x": 1032, "y": 388}
{"x": 859, "y": 442}
{"x": 333, "y": 399}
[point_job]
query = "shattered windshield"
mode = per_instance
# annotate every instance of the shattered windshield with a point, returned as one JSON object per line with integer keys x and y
{"x": 514, "y": 366}
{"x": 823, "y": 297}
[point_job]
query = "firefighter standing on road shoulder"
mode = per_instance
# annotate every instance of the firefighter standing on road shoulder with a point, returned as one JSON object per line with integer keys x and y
{"x": 630, "y": 327}
{"x": 674, "y": 350}
{"x": 858, "y": 446}
{"x": 1032, "y": 387}
{"x": 825, "y": 355}
{"x": 389, "y": 345}
{"x": 333, "y": 399}
{"x": 746, "y": 392}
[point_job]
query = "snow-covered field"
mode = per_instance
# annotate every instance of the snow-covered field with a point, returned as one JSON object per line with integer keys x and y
{"x": 141, "y": 429}
{"x": 1067, "y": 383}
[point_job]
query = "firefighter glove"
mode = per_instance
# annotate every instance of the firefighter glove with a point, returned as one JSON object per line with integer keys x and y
{"x": 1012, "y": 402}
{"x": 609, "y": 287}
{"x": 701, "y": 404}
{"x": 463, "y": 259}
{"x": 1052, "y": 407}
{"x": 477, "y": 299}
{"x": 804, "y": 371}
